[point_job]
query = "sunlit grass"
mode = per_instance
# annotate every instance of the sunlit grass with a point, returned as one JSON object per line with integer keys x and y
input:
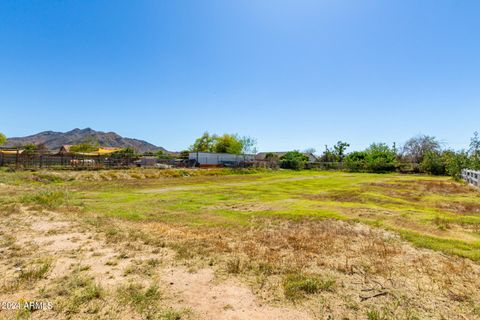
{"x": 431, "y": 212}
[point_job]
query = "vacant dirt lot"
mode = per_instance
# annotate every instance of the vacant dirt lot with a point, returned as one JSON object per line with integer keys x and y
{"x": 257, "y": 246}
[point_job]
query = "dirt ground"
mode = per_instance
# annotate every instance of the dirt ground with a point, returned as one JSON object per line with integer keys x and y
{"x": 68, "y": 244}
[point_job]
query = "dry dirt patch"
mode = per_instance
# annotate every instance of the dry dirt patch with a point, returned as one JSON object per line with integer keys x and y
{"x": 225, "y": 300}
{"x": 71, "y": 247}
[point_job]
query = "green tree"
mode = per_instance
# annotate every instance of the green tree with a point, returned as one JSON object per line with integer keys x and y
{"x": 417, "y": 147}
{"x": 162, "y": 155}
{"x": 87, "y": 146}
{"x": 380, "y": 158}
{"x": 228, "y": 143}
{"x": 433, "y": 163}
{"x": 248, "y": 145}
{"x": 328, "y": 155}
{"x": 29, "y": 149}
{"x": 3, "y": 138}
{"x": 339, "y": 150}
{"x": 455, "y": 162}
{"x": 124, "y": 153}
{"x": 355, "y": 161}
{"x": 337, "y": 154}
{"x": 293, "y": 160}
{"x": 474, "y": 152}
{"x": 205, "y": 143}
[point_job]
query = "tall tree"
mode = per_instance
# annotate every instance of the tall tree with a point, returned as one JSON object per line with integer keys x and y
{"x": 205, "y": 143}
{"x": 474, "y": 151}
{"x": 228, "y": 143}
{"x": 339, "y": 150}
{"x": 249, "y": 144}
{"x": 417, "y": 147}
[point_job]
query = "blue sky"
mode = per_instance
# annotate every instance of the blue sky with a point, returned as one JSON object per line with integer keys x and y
{"x": 292, "y": 73}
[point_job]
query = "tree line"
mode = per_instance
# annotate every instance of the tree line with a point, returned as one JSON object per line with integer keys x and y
{"x": 420, "y": 154}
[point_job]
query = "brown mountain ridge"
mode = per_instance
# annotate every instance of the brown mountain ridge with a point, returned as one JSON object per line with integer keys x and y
{"x": 54, "y": 140}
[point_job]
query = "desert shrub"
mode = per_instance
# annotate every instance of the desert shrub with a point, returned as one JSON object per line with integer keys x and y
{"x": 234, "y": 265}
{"x": 293, "y": 160}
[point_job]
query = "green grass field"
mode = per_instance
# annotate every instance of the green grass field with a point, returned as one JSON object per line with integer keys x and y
{"x": 431, "y": 212}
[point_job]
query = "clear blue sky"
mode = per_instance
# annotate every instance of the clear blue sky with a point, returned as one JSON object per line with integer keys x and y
{"x": 292, "y": 73}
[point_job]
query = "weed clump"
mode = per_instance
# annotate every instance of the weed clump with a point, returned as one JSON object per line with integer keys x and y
{"x": 50, "y": 199}
{"x": 139, "y": 297}
{"x": 36, "y": 271}
{"x": 77, "y": 291}
{"x": 296, "y": 286}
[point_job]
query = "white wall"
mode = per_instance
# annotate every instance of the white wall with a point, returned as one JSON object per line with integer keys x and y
{"x": 218, "y": 158}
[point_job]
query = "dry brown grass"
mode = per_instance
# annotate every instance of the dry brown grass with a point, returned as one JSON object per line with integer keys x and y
{"x": 371, "y": 267}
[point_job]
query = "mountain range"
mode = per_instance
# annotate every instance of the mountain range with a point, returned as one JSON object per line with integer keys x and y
{"x": 54, "y": 140}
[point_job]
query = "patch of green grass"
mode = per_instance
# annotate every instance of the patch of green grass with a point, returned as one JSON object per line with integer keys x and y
{"x": 50, "y": 198}
{"x": 375, "y": 315}
{"x": 77, "y": 291}
{"x": 35, "y": 271}
{"x": 451, "y": 246}
{"x": 296, "y": 286}
{"x": 139, "y": 297}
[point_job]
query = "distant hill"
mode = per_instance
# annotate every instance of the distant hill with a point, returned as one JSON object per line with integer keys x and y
{"x": 54, "y": 140}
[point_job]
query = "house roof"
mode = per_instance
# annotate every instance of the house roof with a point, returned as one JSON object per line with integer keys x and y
{"x": 101, "y": 151}
{"x": 66, "y": 147}
{"x": 11, "y": 151}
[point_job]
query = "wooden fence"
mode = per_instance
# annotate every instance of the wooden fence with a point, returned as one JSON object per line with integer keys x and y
{"x": 471, "y": 177}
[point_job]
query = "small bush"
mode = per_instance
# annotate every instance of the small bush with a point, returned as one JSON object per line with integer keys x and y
{"x": 433, "y": 163}
{"x": 293, "y": 160}
{"x": 234, "y": 266}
